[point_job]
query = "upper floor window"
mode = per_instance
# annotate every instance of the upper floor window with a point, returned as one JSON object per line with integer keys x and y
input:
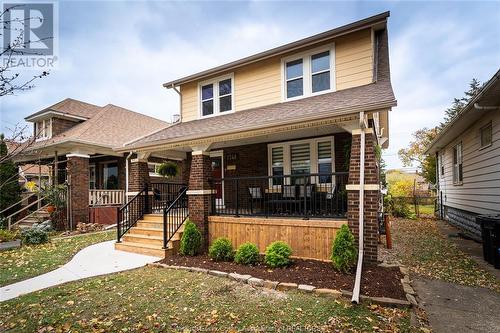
{"x": 43, "y": 129}
{"x": 486, "y": 135}
{"x": 309, "y": 74}
{"x": 216, "y": 97}
{"x": 457, "y": 164}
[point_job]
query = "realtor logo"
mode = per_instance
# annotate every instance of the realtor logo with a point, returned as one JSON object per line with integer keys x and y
{"x": 29, "y": 34}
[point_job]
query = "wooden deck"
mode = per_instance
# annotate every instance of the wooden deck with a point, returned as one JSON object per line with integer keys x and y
{"x": 311, "y": 239}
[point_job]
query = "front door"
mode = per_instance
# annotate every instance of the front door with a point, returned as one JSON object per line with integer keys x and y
{"x": 217, "y": 174}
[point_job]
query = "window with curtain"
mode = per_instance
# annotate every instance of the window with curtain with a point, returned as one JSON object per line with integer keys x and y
{"x": 300, "y": 158}
{"x": 277, "y": 165}
{"x": 325, "y": 161}
{"x": 457, "y": 164}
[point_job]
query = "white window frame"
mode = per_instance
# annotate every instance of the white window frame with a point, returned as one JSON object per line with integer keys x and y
{"x": 46, "y": 131}
{"x": 287, "y": 162}
{"x": 216, "y": 97}
{"x": 155, "y": 173}
{"x": 307, "y": 72}
{"x": 460, "y": 161}
{"x": 489, "y": 124}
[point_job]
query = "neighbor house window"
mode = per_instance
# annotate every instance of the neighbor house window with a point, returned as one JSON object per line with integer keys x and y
{"x": 486, "y": 135}
{"x": 216, "y": 97}
{"x": 457, "y": 164}
{"x": 308, "y": 74}
{"x": 43, "y": 129}
{"x": 296, "y": 159}
{"x": 277, "y": 165}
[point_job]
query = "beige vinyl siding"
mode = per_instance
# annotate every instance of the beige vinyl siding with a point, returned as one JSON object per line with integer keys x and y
{"x": 354, "y": 59}
{"x": 480, "y": 190}
{"x": 259, "y": 84}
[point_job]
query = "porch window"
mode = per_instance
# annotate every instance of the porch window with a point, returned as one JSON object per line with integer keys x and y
{"x": 216, "y": 96}
{"x": 294, "y": 79}
{"x": 300, "y": 155}
{"x": 486, "y": 136}
{"x": 110, "y": 176}
{"x": 92, "y": 177}
{"x": 325, "y": 161}
{"x": 457, "y": 165}
{"x": 277, "y": 165}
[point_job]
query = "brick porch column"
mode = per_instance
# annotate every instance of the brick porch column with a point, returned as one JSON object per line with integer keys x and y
{"x": 199, "y": 193}
{"x": 371, "y": 194}
{"x": 78, "y": 173}
{"x": 138, "y": 175}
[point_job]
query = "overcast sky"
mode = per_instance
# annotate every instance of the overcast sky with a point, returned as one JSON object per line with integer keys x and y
{"x": 121, "y": 52}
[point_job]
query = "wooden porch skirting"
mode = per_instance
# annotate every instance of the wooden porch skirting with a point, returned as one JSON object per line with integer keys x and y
{"x": 309, "y": 239}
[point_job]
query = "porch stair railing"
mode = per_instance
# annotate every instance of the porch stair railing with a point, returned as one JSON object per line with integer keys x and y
{"x": 175, "y": 215}
{"x": 12, "y": 216}
{"x": 131, "y": 212}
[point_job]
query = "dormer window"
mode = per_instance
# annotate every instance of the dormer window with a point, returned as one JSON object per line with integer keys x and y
{"x": 309, "y": 74}
{"x": 43, "y": 129}
{"x": 216, "y": 96}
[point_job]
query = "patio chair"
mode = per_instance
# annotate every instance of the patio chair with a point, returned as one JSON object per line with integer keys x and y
{"x": 255, "y": 196}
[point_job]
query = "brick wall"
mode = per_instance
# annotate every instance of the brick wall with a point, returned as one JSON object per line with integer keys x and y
{"x": 138, "y": 175}
{"x": 199, "y": 204}
{"x": 78, "y": 170}
{"x": 60, "y": 125}
{"x": 370, "y": 198}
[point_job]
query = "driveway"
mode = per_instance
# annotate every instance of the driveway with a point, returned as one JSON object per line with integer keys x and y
{"x": 97, "y": 259}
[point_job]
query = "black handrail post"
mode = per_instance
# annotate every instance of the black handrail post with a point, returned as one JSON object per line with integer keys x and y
{"x": 165, "y": 221}
{"x": 146, "y": 199}
{"x": 118, "y": 226}
{"x": 237, "y": 197}
{"x": 306, "y": 217}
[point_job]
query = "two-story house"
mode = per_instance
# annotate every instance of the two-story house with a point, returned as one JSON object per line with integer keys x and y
{"x": 75, "y": 140}
{"x": 280, "y": 145}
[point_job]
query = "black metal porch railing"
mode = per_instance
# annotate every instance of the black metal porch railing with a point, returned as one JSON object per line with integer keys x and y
{"x": 174, "y": 216}
{"x": 163, "y": 194}
{"x": 131, "y": 212}
{"x": 307, "y": 195}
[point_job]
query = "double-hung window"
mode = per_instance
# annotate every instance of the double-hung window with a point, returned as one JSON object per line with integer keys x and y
{"x": 325, "y": 161}
{"x": 457, "y": 164}
{"x": 216, "y": 97}
{"x": 309, "y": 73}
{"x": 486, "y": 135}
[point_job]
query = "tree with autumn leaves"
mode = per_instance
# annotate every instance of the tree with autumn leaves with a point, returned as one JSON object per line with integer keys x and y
{"x": 414, "y": 154}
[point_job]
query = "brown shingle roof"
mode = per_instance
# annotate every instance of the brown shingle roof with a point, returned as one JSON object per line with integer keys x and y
{"x": 112, "y": 126}
{"x": 363, "y": 98}
{"x": 70, "y": 107}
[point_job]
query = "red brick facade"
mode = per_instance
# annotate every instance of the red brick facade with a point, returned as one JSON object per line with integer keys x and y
{"x": 370, "y": 198}
{"x": 199, "y": 204}
{"x": 78, "y": 173}
{"x": 60, "y": 125}
{"x": 138, "y": 175}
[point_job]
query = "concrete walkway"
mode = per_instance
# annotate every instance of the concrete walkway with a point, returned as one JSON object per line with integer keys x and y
{"x": 454, "y": 308}
{"x": 97, "y": 259}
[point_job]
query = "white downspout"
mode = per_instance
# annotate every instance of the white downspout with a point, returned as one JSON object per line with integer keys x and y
{"x": 359, "y": 268}
{"x": 126, "y": 172}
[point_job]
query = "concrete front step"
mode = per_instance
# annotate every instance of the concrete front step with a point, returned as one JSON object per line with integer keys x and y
{"x": 140, "y": 248}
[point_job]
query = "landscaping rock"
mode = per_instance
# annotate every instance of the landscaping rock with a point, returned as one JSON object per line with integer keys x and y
{"x": 384, "y": 301}
{"x": 270, "y": 284}
{"x": 307, "y": 288}
{"x": 218, "y": 273}
{"x": 283, "y": 286}
{"x": 198, "y": 270}
{"x": 256, "y": 282}
{"x": 404, "y": 270}
{"x": 412, "y": 299}
{"x": 408, "y": 289}
{"x": 406, "y": 279}
{"x": 328, "y": 292}
{"x": 240, "y": 277}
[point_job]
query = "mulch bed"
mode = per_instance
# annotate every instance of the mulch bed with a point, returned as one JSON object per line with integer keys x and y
{"x": 375, "y": 281}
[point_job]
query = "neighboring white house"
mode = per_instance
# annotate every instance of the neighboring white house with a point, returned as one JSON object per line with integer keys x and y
{"x": 468, "y": 161}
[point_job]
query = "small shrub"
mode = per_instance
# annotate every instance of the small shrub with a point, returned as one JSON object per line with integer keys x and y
{"x": 344, "y": 252}
{"x": 34, "y": 236}
{"x": 191, "y": 240}
{"x": 247, "y": 254}
{"x": 401, "y": 209}
{"x": 221, "y": 250}
{"x": 278, "y": 254}
{"x": 8, "y": 236}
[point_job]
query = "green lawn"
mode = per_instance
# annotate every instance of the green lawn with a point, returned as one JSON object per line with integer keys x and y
{"x": 161, "y": 300}
{"x": 28, "y": 261}
{"x": 426, "y": 209}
